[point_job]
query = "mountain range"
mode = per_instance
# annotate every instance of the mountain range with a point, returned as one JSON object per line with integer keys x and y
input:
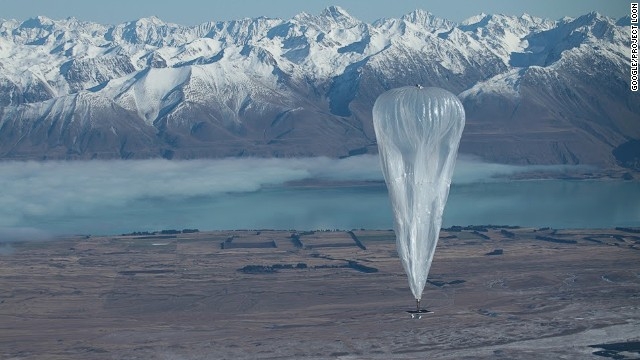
{"x": 535, "y": 91}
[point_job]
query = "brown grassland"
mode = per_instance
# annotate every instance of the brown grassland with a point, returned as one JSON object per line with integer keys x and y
{"x": 495, "y": 293}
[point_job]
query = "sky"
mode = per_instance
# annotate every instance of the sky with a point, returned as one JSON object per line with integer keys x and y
{"x": 193, "y": 12}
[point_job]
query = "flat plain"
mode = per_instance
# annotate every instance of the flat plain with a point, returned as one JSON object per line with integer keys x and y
{"x": 495, "y": 293}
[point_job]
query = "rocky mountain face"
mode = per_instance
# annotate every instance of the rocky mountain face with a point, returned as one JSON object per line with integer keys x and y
{"x": 536, "y": 91}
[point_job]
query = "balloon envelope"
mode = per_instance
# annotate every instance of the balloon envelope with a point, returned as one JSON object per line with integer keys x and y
{"x": 418, "y": 131}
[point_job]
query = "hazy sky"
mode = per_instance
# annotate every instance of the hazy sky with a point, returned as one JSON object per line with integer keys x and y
{"x": 192, "y": 12}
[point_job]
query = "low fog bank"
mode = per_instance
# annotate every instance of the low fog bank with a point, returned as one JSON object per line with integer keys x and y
{"x": 37, "y": 196}
{"x": 470, "y": 169}
{"x": 14, "y": 234}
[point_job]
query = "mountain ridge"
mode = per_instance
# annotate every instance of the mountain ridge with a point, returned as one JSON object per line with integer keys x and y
{"x": 305, "y": 86}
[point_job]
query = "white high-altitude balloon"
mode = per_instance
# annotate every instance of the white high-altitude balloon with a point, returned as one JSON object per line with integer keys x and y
{"x": 418, "y": 132}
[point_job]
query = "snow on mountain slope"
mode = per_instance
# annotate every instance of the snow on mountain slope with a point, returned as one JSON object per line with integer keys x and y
{"x": 503, "y": 35}
{"x": 571, "y": 85}
{"x": 305, "y": 86}
{"x": 428, "y": 21}
{"x": 506, "y": 84}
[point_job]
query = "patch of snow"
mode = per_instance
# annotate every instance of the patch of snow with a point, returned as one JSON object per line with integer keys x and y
{"x": 473, "y": 19}
{"x": 505, "y": 84}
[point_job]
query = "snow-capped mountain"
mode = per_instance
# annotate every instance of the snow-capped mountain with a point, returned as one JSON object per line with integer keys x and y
{"x": 535, "y": 90}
